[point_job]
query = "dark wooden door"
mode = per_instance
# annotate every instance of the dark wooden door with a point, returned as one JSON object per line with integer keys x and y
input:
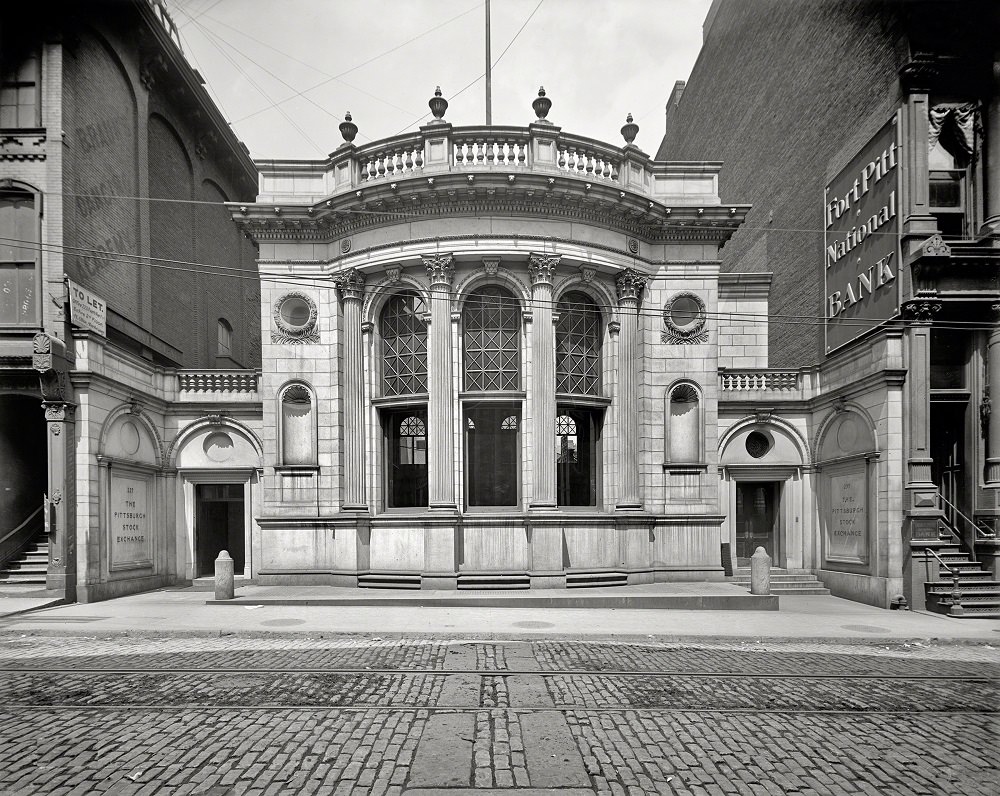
{"x": 754, "y": 519}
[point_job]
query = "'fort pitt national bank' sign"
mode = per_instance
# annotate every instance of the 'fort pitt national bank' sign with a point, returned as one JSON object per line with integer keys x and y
{"x": 861, "y": 240}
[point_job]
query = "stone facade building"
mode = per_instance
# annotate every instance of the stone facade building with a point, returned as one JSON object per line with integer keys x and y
{"x": 867, "y": 137}
{"x": 114, "y": 167}
{"x": 490, "y": 359}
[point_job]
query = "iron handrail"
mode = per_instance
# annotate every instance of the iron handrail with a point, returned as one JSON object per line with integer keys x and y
{"x": 31, "y": 516}
{"x": 985, "y": 534}
{"x": 956, "y": 592}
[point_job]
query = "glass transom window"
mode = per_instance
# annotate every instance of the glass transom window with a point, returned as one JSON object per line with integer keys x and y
{"x": 578, "y": 345}
{"x": 491, "y": 325}
{"x": 404, "y": 345}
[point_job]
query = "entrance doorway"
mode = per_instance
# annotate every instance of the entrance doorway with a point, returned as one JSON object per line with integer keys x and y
{"x": 219, "y": 525}
{"x": 948, "y": 452}
{"x": 755, "y": 516}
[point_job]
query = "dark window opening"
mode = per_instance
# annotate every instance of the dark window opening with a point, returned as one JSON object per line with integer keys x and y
{"x": 492, "y": 436}
{"x": 577, "y": 459}
{"x": 406, "y": 439}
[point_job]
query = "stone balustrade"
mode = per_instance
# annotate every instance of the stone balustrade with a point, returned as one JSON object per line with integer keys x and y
{"x": 519, "y": 152}
{"x": 744, "y": 381}
{"x": 216, "y": 381}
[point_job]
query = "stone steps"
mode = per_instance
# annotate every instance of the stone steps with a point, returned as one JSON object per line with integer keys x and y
{"x": 30, "y": 566}
{"x": 785, "y": 582}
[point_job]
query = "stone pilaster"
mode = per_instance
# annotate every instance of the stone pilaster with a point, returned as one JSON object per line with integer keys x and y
{"x": 922, "y": 504}
{"x": 440, "y": 431}
{"x": 543, "y": 381}
{"x": 991, "y": 423}
{"x": 991, "y": 188}
{"x": 350, "y": 287}
{"x": 49, "y": 359}
{"x": 630, "y": 284}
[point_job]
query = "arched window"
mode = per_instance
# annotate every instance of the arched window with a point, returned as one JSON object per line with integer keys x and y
{"x": 224, "y": 346}
{"x": 404, "y": 345}
{"x": 684, "y": 425}
{"x": 491, "y": 326}
{"x": 578, "y": 345}
{"x": 18, "y": 257}
{"x": 298, "y": 439}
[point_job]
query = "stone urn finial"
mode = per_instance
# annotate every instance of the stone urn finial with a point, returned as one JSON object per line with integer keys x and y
{"x": 348, "y": 128}
{"x": 438, "y": 106}
{"x": 630, "y": 130}
{"x": 541, "y": 106}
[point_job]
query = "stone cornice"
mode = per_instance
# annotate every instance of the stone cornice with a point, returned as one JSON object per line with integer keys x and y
{"x": 489, "y": 194}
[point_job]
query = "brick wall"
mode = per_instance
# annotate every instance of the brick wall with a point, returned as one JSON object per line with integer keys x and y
{"x": 101, "y": 170}
{"x": 775, "y": 94}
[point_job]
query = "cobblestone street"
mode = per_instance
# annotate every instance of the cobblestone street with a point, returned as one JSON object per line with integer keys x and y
{"x": 236, "y": 715}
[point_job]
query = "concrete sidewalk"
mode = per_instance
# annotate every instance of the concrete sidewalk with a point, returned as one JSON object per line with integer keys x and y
{"x": 186, "y": 611}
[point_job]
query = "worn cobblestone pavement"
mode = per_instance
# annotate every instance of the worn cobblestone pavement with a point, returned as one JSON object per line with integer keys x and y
{"x": 236, "y": 715}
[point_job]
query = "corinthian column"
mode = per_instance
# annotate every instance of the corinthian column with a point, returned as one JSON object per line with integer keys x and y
{"x": 440, "y": 430}
{"x": 543, "y": 381}
{"x": 350, "y": 287}
{"x": 630, "y": 284}
{"x": 993, "y": 423}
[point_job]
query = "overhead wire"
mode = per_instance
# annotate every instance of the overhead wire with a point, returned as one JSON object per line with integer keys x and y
{"x": 297, "y": 280}
{"x": 359, "y": 66}
{"x": 476, "y": 80}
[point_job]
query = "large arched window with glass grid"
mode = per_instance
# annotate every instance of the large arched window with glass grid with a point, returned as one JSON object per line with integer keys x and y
{"x": 491, "y": 328}
{"x": 404, "y": 345}
{"x": 578, "y": 345}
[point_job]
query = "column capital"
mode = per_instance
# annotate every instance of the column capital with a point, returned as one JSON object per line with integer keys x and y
{"x": 542, "y": 268}
{"x": 59, "y": 411}
{"x": 922, "y": 312}
{"x": 630, "y": 284}
{"x": 440, "y": 268}
{"x": 350, "y": 285}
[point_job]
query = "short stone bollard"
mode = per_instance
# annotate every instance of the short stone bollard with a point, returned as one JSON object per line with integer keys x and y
{"x": 760, "y": 572}
{"x": 225, "y": 586}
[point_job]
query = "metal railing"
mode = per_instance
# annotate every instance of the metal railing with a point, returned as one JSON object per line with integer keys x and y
{"x": 18, "y": 538}
{"x": 956, "y": 592}
{"x": 978, "y": 531}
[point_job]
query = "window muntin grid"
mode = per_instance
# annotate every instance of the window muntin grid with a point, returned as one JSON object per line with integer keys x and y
{"x": 491, "y": 325}
{"x": 578, "y": 345}
{"x": 404, "y": 345}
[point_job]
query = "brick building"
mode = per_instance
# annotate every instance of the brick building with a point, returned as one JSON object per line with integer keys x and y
{"x": 884, "y": 339}
{"x": 114, "y": 169}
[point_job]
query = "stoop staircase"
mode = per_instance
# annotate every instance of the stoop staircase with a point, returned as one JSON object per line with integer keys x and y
{"x": 784, "y": 582}
{"x": 978, "y": 594}
{"x": 29, "y": 566}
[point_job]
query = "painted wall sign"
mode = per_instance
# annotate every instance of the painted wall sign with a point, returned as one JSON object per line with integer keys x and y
{"x": 847, "y": 525}
{"x": 130, "y": 525}
{"x": 861, "y": 240}
{"x": 87, "y": 310}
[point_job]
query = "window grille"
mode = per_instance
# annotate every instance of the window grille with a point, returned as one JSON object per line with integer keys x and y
{"x": 491, "y": 325}
{"x": 578, "y": 346}
{"x": 404, "y": 345}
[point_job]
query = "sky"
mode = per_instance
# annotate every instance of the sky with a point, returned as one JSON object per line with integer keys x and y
{"x": 284, "y": 72}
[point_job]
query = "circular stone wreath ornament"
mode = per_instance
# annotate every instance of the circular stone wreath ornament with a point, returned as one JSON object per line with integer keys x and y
{"x": 295, "y": 316}
{"x": 684, "y": 319}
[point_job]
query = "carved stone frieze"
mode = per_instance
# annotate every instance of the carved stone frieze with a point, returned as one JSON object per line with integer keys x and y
{"x": 921, "y": 311}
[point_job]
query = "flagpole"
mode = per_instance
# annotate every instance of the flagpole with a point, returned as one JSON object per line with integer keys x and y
{"x": 489, "y": 71}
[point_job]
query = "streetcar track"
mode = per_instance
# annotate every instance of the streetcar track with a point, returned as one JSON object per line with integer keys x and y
{"x": 510, "y": 709}
{"x": 226, "y": 671}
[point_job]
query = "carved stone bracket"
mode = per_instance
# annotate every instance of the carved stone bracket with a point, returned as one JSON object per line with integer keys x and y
{"x": 351, "y": 285}
{"x": 921, "y": 311}
{"x": 440, "y": 269}
{"x": 392, "y": 273}
{"x": 491, "y": 265}
{"x": 630, "y": 284}
{"x": 587, "y": 273}
{"x": 542, "y": 268}
{"x": 47, "y": 358}
{"x": 935, "y": 246}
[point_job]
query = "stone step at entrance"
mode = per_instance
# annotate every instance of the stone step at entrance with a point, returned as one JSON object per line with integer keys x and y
{"x": 784, "y": 582}
{"x": 29, "y": 566}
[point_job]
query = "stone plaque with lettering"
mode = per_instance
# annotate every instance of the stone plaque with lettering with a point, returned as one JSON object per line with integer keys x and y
{"x": 130, "y": 526}
{"x": 847, "y": 525}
